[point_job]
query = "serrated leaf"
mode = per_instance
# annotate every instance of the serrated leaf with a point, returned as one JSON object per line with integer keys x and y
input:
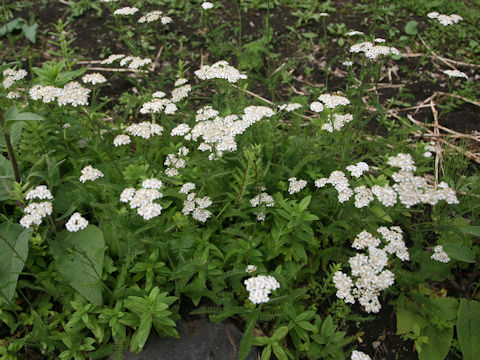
{"x": 439, "y": 342}
{"x": 82, "y": 265}
{"x": 468, "y": 328}
{"x": 13, "y": 254}
{"x": 460, "y": 253}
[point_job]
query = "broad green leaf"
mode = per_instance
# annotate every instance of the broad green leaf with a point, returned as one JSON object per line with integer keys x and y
{"x": 15, "y": 131}
{"x": 279, "y": 352}
{"x": 80, "y": 260}
{"x": 267, "y": 352}
{"x": 280, "y": 333}
{"x": 406, "y": 321}
{"x": 12, "y": 115}
{"x": 439, "y": 342}
{"x": 6, "y": 178}
{"x": 468, "y": 328}
{"x": 472, "y": 230}
{"x": 139, "y": 338}
{"x": 13, "y": 254}
{"x": 411, "y": 28}
{"x": 30, "y": 32}
{"x": 304, "y": 203}
{"x": 460, "y": 253}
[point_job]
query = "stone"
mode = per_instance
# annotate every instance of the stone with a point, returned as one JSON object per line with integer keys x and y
{"x": 199, "y": 340}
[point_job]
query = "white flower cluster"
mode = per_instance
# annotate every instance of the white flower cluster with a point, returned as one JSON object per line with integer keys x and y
{"x": 363, "y": 196}
{"x": 175, "y": 162}
{"x": 260, "y": 200}
{"x": 219, "y": 133}
{"x": 13, "y": 95}
{"x": 10, "y": 76}
{"x": 154, "y": 16}
{"x": 289, "y": 107}
{"x": 35, "y": 212}
{"x": 429, "y": 149}
{"x": 250, "y": 269}
{"x": 456, "y": 73}
{"x": 144, "y": 129}
{"x": 260, "y": 287}
{"x": 413, "y": 190}
{"x": 197, "y": 207}
{"x": 76, "y": 222}
{"x": 121, "y": 139}
{"x": 143, "y": 198}
{"x": 126, "y": 11}
{"x": 206, "y": 5}
{"x": 95, "y": 78}
{"x": 89, "y": 173}
{"x": 112, "y": 58}
{"x": 160, "y": 103}
{"x": 332, "y": 101}
{"x": 220, "y": 70}
{"x": 296, "y": 185}
{"x": 358, "y": 169}
{"x": 347, "y": 63}
{"x": 373, "y": 51}
{"x": 358, "y": 355}
{"x": 134, "y": 62}
{"x": 440, "y": 255}
{"x": 72, "y": 93}
{"x": 443, "y": 19}
{"x": 40, "y": 192}
{"x": 187, "y": 187}
{"x": 385, "y": 194}
{"x": 336, "y": 122}
{"x": 339, "y": 182}
{"x": 354, "y": 32}
{"x": 371, "y": 278}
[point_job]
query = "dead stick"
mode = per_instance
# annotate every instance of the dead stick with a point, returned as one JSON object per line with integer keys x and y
{"x": 459, "y": 97}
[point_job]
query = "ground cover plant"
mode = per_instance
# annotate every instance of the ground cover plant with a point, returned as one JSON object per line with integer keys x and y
{"x": 306, "y": 169}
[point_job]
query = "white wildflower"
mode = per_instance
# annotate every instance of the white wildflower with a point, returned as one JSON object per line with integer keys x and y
{"x": 121, "y": 140}
{"x": 187, "y": 187}
{"x": 316, "y": 106}
{"x": 332, "y": 101}
{"x": 207, "y": 5}
{"x": 126, "y": 11}
{"x": 358, "y": 169}
{"x": 149, "y": 210}
{"x": 152, "y": 184}
{"x": 250, "y": 269}
{"x": 95, "y": 78}
{"x": 289, "y": 107}
{"x": 220, "y": 70}
{"x": 127, "y": 195}
{"x": 40, "y": 192}
{"x": 76, "y": 222}
{"x": 260, "y": 287}
{"x": 296, "y": 185}
{"x": 90, "y": 174}
{"x": 440, "y": 255}
{"x": 456, "y": 73}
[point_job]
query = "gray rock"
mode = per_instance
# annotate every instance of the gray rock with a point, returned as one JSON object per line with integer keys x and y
{"x": 199, "y": 340}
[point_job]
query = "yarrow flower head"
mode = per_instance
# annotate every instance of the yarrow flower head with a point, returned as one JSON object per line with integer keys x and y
{"x": 40, "y": 192}
{"x": 126, "y": 11}
{"x": 76, "y": 222}
{"x": 445, "y": 20}
{"x": 373, "y": 51}
{"x": 95, "y": 78}
{"x": 73, "y": 93}
{"x": 150, "y": 17}
{"x": 197, "y": 206}
{"x": 90, "y": 174}
{"x": 332, "y": 101}
{"x": 220, "y": 70}
{"x": 121, "y": 140}
{"x": 440, "y": 255}
{"x": 250, "y": 269}
{"x": 456, "y": 73}
{"x": 11, "y": 76}
{"x": 358, "y": 169}
{"x": 296, "y": 185}
{"x": 35, "y": 213}
{"x": 207, "y": 5}
{"x": 371, "y": 277}
{"x": 144, "y": 130}
{"x": 358, "y": 355}
{"x": 289, "y": 107}
{"x": 260, "y": 287}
